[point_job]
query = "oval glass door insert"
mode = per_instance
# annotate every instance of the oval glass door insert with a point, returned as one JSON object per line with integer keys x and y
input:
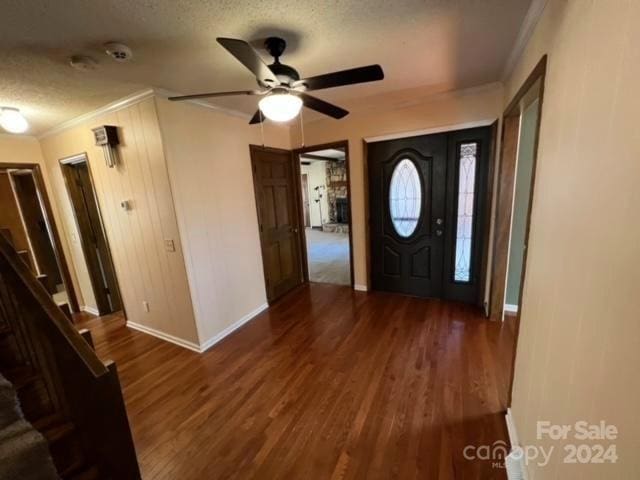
{"x": 405, "y": 197}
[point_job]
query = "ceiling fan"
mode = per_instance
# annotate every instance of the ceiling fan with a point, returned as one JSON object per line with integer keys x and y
{"x": 283, "y": 92}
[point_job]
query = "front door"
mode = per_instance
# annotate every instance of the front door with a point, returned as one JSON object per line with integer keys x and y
{"x": 426, "y": 205}
{"x": 274, "y": 182}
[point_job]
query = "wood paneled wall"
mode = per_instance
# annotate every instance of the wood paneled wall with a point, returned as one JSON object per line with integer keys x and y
{"x": 146, "y": 271}
{"x": 579, "y": 343}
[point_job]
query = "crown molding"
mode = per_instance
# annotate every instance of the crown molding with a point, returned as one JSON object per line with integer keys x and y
{"x": 526, "y": 30}
{"x": 18, "y": 136}
{"x": 111, "y": 107}
{"x": 132, "y": 100}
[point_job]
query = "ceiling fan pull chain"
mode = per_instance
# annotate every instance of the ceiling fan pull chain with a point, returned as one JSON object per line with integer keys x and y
{"x": 302, "y": 126}
{"x": 261, "y": 127}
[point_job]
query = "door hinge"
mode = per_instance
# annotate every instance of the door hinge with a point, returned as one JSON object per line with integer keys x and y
{"x": 107, "y": 291}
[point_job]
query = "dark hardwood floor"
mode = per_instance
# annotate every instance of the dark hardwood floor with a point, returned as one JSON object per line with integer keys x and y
{"x": 327, "y": 384}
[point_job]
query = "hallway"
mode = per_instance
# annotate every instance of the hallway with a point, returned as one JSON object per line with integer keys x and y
{"x": 328, "y": 383}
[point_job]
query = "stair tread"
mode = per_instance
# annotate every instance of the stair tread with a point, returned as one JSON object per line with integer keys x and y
{"x": 21, "y": 376}
{"x": 53, "y": 427}
{"x": 90, "y": 473}
{"x": 75, "y": 468}
{"x": 5, "y": 330}
{"x": 56, "y": 432}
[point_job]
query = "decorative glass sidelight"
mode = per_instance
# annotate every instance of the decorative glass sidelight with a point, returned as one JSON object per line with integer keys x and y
{"x": 405, "y": 197}
{"x": 466, "y": 198}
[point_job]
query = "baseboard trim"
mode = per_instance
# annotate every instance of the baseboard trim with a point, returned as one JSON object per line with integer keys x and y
{"x": 91, "y": 310}
{"x": 164, "y": 336}
{"x": 360, "y": 288}
{"x": 511, "y": 429}
{"x": 508, "y": 308}
{"x": 514, "y": 462}
{"x": 231, "y": 328}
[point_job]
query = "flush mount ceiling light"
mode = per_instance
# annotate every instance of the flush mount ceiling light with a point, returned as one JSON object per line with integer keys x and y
{"x": 12, "y": 120}
{"x": 280, "y": 106}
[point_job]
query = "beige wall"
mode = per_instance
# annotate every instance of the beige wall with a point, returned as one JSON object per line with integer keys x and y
{"x": 19, "y": 149}
{"x": 579, "y": 347}
{"x": 145, "y": 270}
{"x": 15, "y": 149}
{"x": 392, "y": 114}
{"x": 208, "y": 157}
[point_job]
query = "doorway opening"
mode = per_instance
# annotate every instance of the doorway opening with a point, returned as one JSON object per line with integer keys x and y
{"x": 516, "y": 185}
{"x": 95, "y": 247}
{"x": 516, "y": 180}
{"x": 326, "y": 213}
{"x": 26, "y": 221}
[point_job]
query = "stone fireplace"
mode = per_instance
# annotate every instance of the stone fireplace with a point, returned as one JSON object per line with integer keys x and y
{"x": 337, "y": 197}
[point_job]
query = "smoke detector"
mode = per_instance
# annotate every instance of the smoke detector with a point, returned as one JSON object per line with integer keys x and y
{"x": 83, "y": 63}
{"x": 118, "y": 51}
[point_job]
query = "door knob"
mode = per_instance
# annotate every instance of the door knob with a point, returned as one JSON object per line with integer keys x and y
{"x": 439, "y": 221}
{"x": 439, "y": 232}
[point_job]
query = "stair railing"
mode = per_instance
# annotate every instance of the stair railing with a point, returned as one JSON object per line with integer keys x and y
{"x": 79, "y": 385}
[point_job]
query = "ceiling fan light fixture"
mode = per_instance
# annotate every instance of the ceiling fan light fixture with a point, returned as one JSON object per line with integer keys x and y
{"x": 12, "y": 120}
{"x": 280, "y": 107}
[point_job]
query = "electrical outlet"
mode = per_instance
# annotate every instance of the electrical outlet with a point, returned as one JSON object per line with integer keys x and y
{"x": 145, "y": 305}
{"x": 169, "y": 246}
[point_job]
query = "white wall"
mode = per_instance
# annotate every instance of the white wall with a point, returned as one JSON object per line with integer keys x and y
{"x": 317, "y": 176}
{"x": 210, "y": 170}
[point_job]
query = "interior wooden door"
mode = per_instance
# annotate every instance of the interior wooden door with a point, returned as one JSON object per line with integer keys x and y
{"x": 92, "y": 236}
{"x": 275, "y": 185}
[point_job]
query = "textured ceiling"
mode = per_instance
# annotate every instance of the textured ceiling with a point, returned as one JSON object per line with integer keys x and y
{"x": 438, "y": 44}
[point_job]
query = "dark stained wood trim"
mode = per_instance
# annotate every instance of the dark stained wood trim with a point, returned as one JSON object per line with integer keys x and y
{"x": 343, "y": 144}
{"x": 502, "y": 225}
{"x": 486, "y": 226}
{"x": 538, "y": 72}
{"x": 367, "y": 213}
{"x": 57, "y": 244}
{"x": 317, "y": 157}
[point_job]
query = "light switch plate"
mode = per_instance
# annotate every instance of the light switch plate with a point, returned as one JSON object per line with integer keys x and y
{"x": 169, "y": 246}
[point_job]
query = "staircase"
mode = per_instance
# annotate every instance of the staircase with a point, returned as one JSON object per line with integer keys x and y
{"x": 71, "y": 397}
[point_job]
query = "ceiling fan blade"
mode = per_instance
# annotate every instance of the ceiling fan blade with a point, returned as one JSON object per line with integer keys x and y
{"x": 257, "y": 118}
{"x": 321, "y": 106}
{"x": 250, "y": 59}
{"x": 370, "y": 73}
{"x": 216, "y": 94}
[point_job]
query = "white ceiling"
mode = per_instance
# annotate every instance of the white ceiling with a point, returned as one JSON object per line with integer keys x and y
{"x": 438, "y": 44}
